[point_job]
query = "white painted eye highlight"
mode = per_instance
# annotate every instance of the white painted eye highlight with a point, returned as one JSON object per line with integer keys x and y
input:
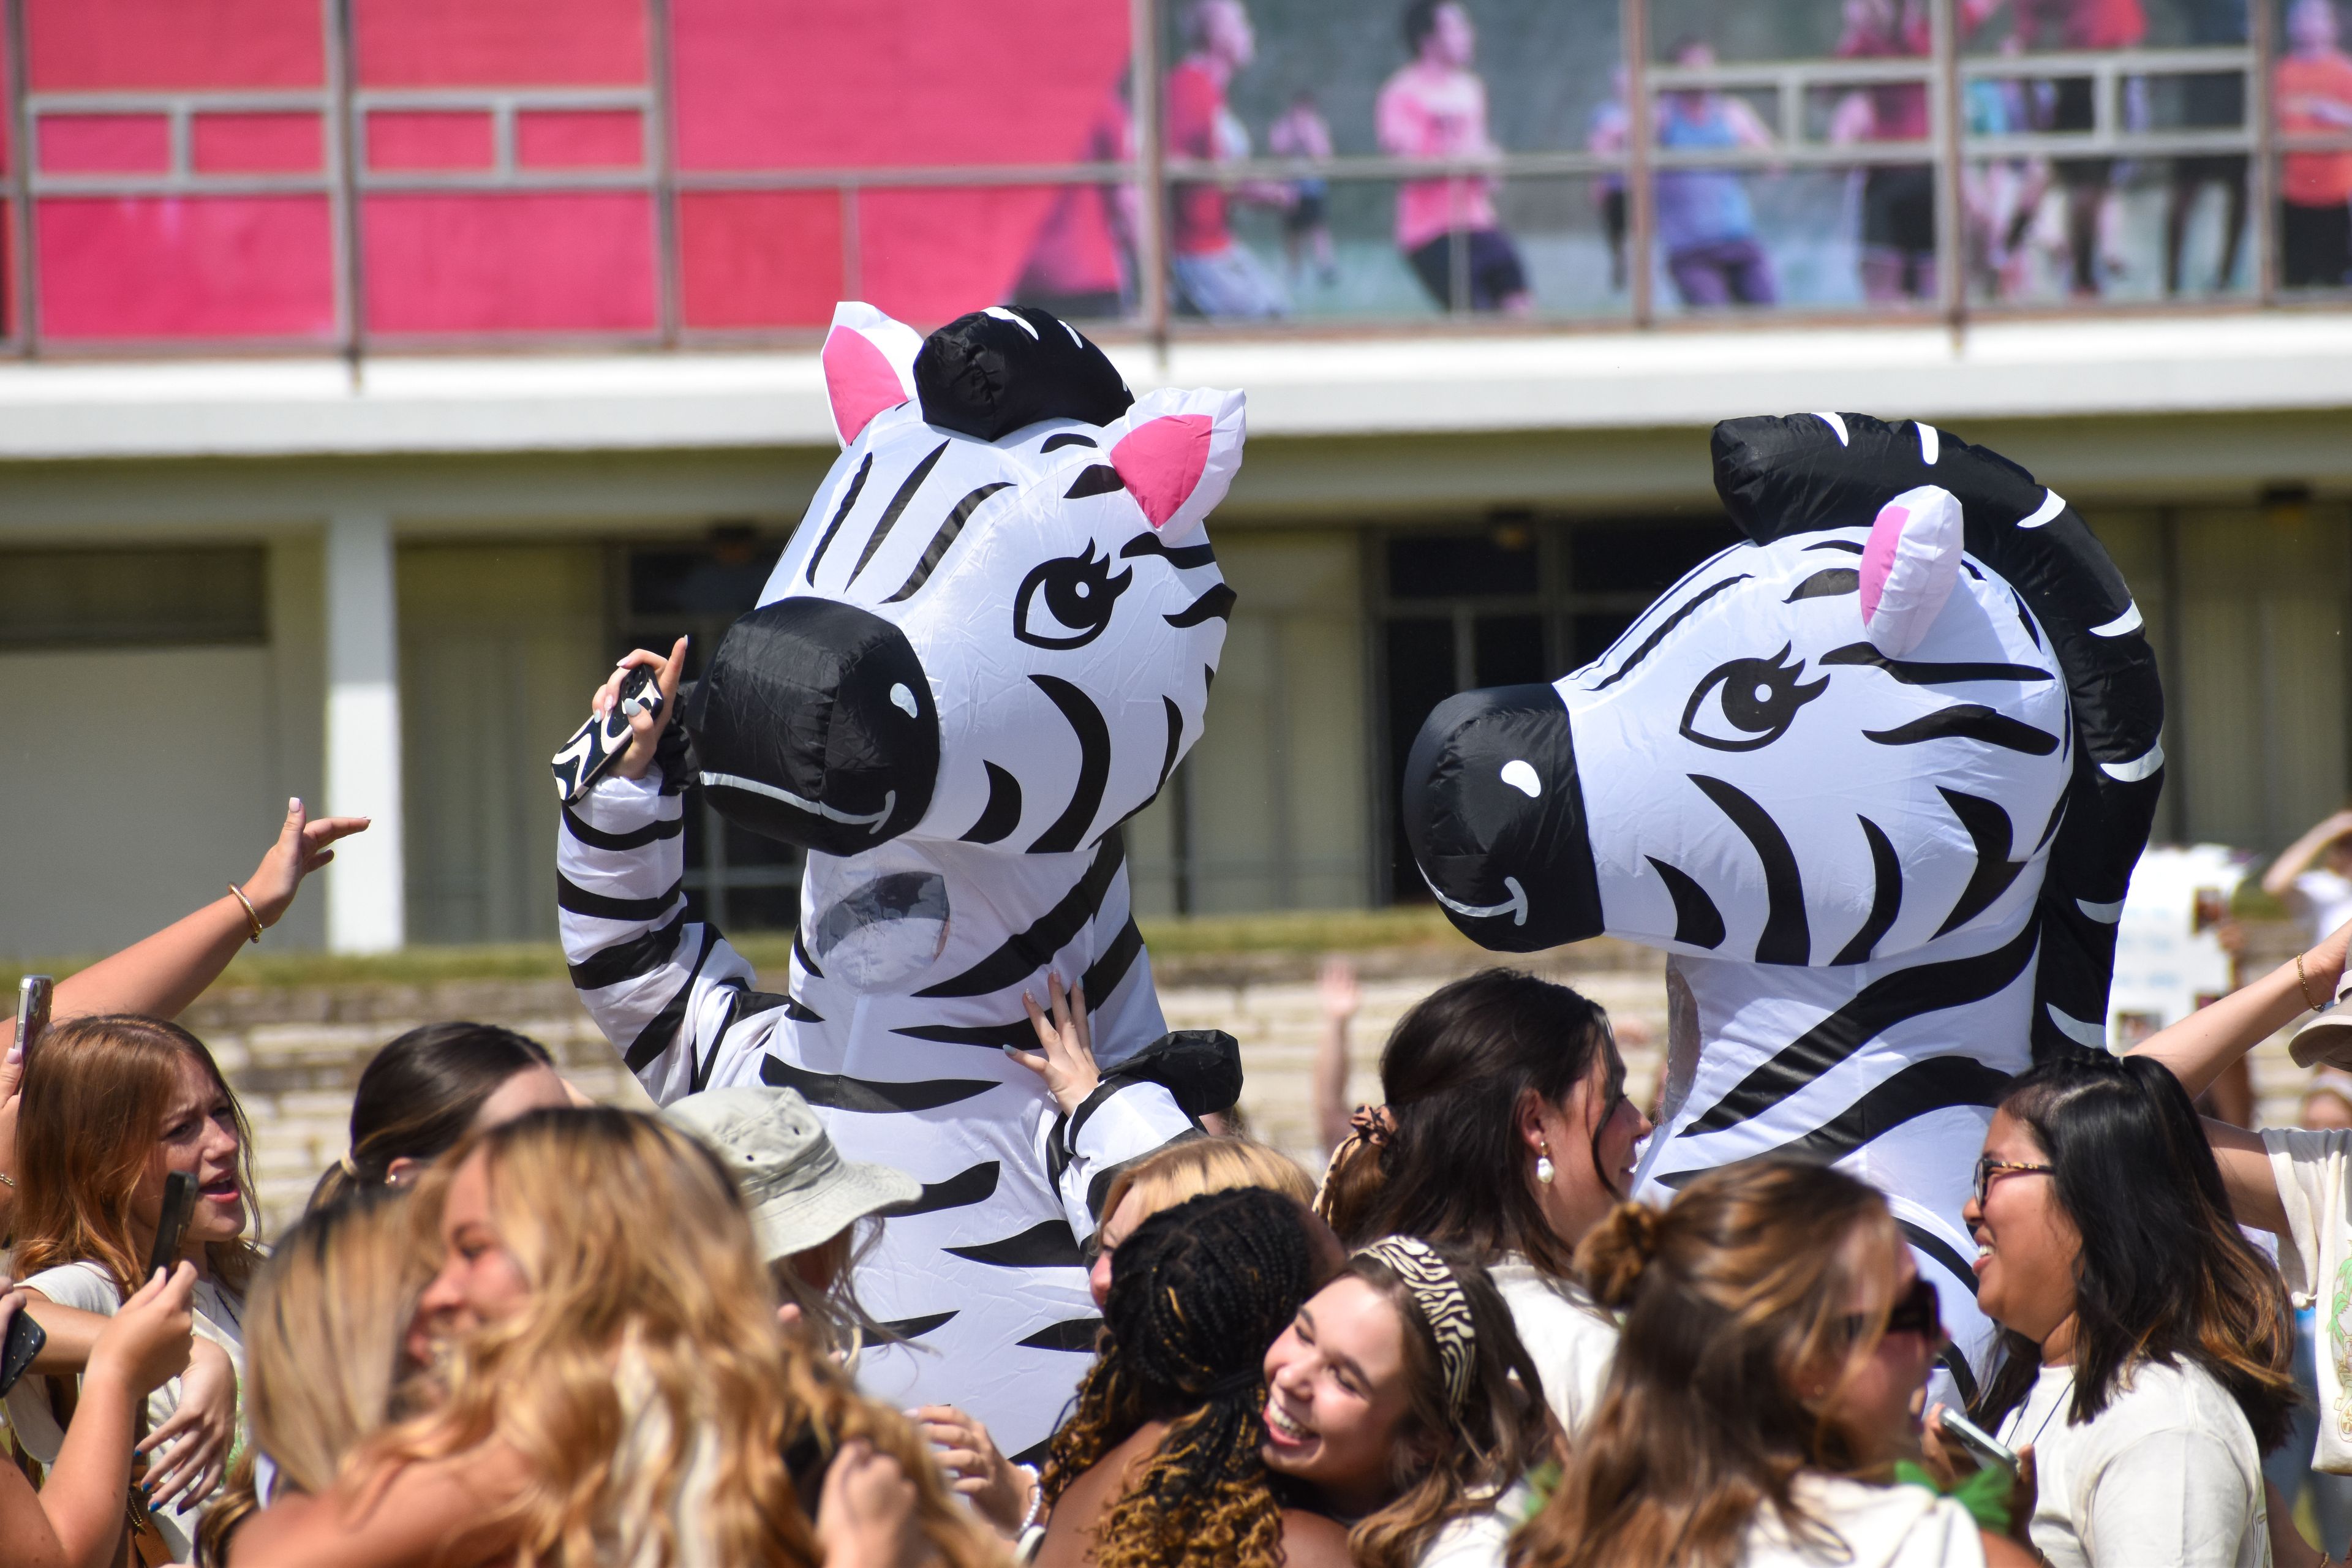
{"x": 903, "y": 699}
{"x": 1521, "y": 778}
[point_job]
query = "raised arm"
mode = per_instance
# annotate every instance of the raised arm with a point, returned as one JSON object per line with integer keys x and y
{"x": 2198, "y": 1047}
{"x": 2296, "y": 857}
{"x": 662, "y": 987}
{"x": 1104, "y": 1121}
{"x": 160, "y": 975}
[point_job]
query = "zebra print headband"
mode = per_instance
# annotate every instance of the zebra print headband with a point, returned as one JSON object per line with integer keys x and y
{"x": 1443, "y": 1305}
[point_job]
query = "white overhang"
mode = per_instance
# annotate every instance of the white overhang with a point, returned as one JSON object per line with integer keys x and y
{"x": 1359, "y": 385}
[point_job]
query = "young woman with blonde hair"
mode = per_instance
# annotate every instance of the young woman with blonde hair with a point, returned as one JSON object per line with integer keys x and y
{"x": 112, "y": 1104}
{"x": 618, "y": 1391}
{"x": 326, "y": 1351}
{"x": 1776, "y": 1334}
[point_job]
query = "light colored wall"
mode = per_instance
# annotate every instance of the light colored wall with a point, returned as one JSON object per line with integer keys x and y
{"x": 500, "y": 646}
{"x": 1280, "y": 804}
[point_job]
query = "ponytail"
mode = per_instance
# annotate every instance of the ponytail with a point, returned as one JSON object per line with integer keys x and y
{"x": 1353, "y": 1181}
{"x": 1617, "y": 1254}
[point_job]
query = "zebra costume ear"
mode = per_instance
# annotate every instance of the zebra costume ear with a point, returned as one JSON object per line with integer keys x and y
{"x": 1177, "y": 452}
{"x": 869, "y": 366}
{"x": 1908, "y": 568}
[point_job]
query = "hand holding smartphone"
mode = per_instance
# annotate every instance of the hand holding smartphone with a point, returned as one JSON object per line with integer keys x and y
{"x": 596, "y": 745}
{"x": 1981, "y": 1444}
{"x": 22, "y": 1342}
{"x": 34, "y": 995}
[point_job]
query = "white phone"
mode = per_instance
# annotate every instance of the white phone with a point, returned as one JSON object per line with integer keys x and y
{"x": 1988, "y": 1449}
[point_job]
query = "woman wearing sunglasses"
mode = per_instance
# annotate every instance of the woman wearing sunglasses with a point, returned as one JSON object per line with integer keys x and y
{"x": 2148, "y": 1357}
{"x": 1776, "y": 1335}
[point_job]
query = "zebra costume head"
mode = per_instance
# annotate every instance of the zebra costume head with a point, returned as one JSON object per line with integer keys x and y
{"x": 1916, "y": 704}
{"x": 998, "y": 621}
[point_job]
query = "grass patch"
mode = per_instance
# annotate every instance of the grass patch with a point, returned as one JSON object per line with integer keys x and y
{"x": 1292, "y": 933}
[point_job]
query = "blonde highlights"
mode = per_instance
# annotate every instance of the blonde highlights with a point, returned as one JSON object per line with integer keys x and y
{"x": 1169, "y": 1177}
{"x": 1745, "y": 1281}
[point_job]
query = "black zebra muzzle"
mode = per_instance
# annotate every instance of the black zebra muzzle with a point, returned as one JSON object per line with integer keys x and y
{"x": 1494, "y": 816}
{"x": 814, "y": 725}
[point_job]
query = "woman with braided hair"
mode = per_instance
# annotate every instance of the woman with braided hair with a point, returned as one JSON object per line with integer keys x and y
{"x": 1402, "y": 1399}
{"x": 1776, "y": 1337}
{"x": 1507, "y": 1135}
{"x": 1158, "y": 1464}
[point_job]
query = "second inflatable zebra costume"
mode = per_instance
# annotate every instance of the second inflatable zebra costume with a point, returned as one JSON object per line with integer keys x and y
{"x": 987, "y": 644}
{"x": 1875, "y": 780}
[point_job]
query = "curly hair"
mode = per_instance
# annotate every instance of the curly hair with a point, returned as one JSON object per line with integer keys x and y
{"x": 1201, "y": 1290}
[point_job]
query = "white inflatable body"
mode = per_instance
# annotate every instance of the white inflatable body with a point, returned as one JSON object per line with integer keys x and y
{"x": 979, "y": 654}
{"x": 1875, "y": 780}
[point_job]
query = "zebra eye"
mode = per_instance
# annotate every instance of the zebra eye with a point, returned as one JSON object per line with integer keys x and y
{"x": 1749, "y": 702}
{"x": 1067, "y": 603}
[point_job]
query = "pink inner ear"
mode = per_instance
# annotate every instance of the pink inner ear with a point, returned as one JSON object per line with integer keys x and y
{"x": 1878, "y": 556}
{"x": 859, "y": 380}
{"x": 1163, "y": 460}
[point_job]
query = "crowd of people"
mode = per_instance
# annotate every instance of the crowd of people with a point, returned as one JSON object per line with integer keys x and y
{"x": 2016, "y": 212}
{"x": 513, "y": 1327}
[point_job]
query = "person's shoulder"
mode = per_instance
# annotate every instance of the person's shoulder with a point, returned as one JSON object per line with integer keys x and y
{"x": 2180, "y": 1395}
{"x": 1313, "y": 1541}
{"x": 83, "y": 1285}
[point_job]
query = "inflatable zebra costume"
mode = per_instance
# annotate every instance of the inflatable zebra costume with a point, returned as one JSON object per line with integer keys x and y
{"x": 1875, "y": 780}
{"x": 989, "y": 643}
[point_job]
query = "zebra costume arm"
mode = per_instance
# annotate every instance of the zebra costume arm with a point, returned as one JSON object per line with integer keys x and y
{"x": 1120, "y": 1122}
{"x": 662, "y": 987}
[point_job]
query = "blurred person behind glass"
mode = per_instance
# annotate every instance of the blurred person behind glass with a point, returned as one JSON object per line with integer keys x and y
{"x": 1434, "y": 106}
{"x": 1706, "y": 225}
{"x": 2313, "y": 89}
{"x": 1216, "y": 276}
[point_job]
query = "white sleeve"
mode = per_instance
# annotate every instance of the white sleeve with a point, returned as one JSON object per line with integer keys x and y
{"x": 2311, "y": 1170}
{"x": 1123, "y": 1120}
{"x": 661, "y": 987}
{"x": 2175, "y": 1496}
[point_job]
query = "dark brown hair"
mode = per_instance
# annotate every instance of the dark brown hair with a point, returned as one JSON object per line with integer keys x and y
{"x": 1450, "y": 1167}
{"x": 1747, "y": 1277}
{"x": 420, "y": 1094}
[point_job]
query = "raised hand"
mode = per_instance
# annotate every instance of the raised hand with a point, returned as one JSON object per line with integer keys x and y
{"x": 1066, "y": 1062}
{"x": 999, "y": 1489}
{"x": 865, "y": 1514}
{"x": 639, "y": 760}
{"x": 302, "y": 847}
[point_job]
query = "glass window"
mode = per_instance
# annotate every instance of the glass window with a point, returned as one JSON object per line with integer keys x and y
{"x": 132, "y": 598}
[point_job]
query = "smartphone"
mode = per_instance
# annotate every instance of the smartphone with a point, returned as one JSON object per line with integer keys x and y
{"x": 1988, "y": 1449}
{"x": 179, "y": 1200}
{"x": 33, "y": 996}
{"x": 24, "y": 1342}
{"x": 596, "y": 745}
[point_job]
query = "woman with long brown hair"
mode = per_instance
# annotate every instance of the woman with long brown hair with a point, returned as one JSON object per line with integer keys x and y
{"x": 113, "y": 1105}
{"x": 1401, "y": 1401}
{"x": 617, "y": 1389}
{"x": 1506, "y": 1135}
{"x": 1776, "y": 1334}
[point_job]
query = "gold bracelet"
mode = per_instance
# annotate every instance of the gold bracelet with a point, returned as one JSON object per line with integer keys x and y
{"x": 249, "y": 913}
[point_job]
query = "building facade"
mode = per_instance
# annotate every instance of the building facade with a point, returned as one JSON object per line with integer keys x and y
{"x": 378, "y": 370}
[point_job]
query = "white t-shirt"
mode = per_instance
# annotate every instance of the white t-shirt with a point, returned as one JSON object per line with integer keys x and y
{"x": 1569, "y": 1336}
{"x": 1480, "y": 1539}
{"x": 1875, "y": 1527}
{"x": 88, "y": 1288}
{"x": 2314, "y": 1172}
{"x": 2166, "y": 1473}
{"x": 2327, "y": 898}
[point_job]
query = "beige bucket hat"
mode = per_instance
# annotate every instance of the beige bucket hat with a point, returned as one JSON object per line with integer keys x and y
{"x": 799, "y": 1190}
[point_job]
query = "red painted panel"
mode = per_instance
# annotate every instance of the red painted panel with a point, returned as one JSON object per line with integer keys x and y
{"x": 105, "y": 143}
{"x": 580, "y": 139}
{"x": 500, "y": 43}
{"x": 187, "y": 267}
{"x": 430, "y": 139}
{"x": 759, "y": 258}
{"x": 120, "y": 44}
{"x": 800, "y": 83}
{"x": 551, "y": 262}
{"x": 257, "y": 144}
{"x": 928, "y": 256}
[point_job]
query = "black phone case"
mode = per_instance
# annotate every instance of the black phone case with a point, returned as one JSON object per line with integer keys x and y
{"x": 179, "y": 1199}
{"x": 596, "y": 745}
{"x": 24, "y": 1340}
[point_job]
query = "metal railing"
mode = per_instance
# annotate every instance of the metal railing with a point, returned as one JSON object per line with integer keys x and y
{"x": 347, "y": 176}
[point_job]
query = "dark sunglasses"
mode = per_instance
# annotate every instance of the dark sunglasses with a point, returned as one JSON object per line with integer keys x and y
{"x": 1917, "y": 1311}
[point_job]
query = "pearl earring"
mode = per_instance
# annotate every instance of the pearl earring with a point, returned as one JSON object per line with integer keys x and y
{"x": 1543, "y": 1164}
